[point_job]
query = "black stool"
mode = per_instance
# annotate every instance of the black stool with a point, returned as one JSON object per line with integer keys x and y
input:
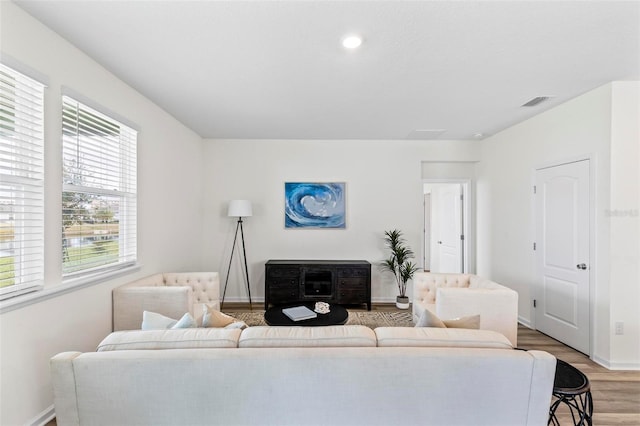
{"x": 572, "y": 388}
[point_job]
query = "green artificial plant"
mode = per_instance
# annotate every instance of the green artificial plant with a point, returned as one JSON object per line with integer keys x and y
{"x": 399, "y": 263}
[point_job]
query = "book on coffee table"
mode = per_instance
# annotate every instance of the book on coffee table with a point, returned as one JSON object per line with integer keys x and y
{"x": 299, "y": 313}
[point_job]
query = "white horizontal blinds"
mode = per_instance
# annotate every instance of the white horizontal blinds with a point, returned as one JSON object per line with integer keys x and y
{"x": 99, "y": 190}
{"x": 21, "y": 182}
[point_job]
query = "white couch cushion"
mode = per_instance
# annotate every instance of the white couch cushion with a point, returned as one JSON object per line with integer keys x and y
{"x": 289, "y": 337}
{"x": 171, "y": 339}
{"x": 440, "y": 337}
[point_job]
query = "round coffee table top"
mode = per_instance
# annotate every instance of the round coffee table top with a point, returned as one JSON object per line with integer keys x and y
{"x": 569, "y": 380}
{"x": 337, "y": 316}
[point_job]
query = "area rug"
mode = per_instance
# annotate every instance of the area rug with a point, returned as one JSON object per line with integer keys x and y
{"x": 371, "y": 319}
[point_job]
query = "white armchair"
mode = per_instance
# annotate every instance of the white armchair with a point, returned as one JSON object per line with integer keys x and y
{"x": 456, "y": 295}
{"x": 169, "y": 294}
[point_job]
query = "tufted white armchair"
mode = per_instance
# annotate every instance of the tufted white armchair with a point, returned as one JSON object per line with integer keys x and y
{"x": 170, "y": 294}
{"x": 456, "y": 295}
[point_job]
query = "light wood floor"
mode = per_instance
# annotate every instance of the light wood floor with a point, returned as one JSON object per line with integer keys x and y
{"x": 616, "y": 394}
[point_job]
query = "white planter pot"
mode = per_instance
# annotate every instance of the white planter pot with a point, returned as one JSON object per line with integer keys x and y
{"x": 402, "y": 302}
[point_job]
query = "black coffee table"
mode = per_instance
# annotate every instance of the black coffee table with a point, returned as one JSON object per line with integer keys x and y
{"x": 572, "y": 388}
{"x": 336, "y": 316}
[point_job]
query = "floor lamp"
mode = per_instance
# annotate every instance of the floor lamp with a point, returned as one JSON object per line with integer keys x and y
{"x": 239, "y": 209}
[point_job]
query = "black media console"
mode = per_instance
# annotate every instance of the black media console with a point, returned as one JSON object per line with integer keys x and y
{"x": 345, "y": 282}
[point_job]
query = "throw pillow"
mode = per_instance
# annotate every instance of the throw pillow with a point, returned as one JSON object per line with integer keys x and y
{"x": 155, "y": 321}
{"x": 215, "y": 318}
{"x": 429, "y": 319}
{"x": 186, "y": 321}
{"x": 471, "y": 322}
{"x": 238, "y": 324}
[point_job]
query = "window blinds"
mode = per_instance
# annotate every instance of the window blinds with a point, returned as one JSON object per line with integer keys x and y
{"x": 99, "y": 190}
{"x": 21, "y": 183}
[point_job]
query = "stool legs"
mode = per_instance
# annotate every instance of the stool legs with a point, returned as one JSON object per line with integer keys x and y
{"x": 580, "y": 406}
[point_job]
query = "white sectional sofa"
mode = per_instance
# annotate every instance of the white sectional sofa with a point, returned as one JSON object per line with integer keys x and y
{"x": 341, "y": 375}
{"x": 458, "y": 295}
{"x": 171, "y": 294}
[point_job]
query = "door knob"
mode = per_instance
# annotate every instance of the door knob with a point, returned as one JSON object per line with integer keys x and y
{"x": 439, "y": 242}
{"x": 581, "y": 266}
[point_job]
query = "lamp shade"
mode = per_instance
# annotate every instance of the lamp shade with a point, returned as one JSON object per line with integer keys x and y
{"x": 240, "y": 208}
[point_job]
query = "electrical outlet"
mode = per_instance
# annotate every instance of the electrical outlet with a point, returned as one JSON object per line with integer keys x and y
{"x": 620, "y": 328}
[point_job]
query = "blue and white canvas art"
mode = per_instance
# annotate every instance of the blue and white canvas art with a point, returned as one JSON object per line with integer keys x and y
{"x": 314, "y": 205}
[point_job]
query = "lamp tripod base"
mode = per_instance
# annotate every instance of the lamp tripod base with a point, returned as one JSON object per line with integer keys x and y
{"x": 246, "y": 269}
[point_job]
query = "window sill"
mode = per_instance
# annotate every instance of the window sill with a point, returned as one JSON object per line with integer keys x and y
{"x": 23, "y": 300}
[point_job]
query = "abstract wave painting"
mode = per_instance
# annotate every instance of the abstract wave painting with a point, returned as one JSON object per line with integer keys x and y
{"x": 314, "y": 205}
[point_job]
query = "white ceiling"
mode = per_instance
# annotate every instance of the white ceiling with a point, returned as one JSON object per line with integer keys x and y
{"x": 276, "y": 69}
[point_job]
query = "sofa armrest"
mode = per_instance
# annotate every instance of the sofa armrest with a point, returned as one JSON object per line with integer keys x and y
{"x": 498, "y": 308}
{"x": 544, "y": 371}
{"x": 64, "y": 388}
{"x": 129, "y": 302}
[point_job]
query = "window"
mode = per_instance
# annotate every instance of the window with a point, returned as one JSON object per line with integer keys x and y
{"x": 98, "y": 191}
{"x": 21, "y": 183}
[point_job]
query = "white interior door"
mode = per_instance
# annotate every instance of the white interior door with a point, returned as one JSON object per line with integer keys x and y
{"x": 427, "y": 232}
{"x": 562, "y": 253}
{"x": 446, "y": 204}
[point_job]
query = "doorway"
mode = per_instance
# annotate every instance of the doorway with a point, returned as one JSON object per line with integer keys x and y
{"x": 562, "y": 220}
{"x": 446, "y": 216}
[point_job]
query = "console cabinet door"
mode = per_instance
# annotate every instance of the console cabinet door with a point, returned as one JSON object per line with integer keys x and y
{"x": 282, "y": 285}
{"x": 353, "y": 285}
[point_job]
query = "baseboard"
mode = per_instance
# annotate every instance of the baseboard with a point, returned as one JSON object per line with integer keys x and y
{"x": 633, "y": 366}
{"x": 243, "y": 299}
{"x": 525, "y": 322}
{"x": 43, "y": 418}
{"x": 384, "y": 300}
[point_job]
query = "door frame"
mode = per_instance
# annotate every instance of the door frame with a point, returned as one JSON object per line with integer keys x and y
{"x": 468, "y": 219}
{"x": 593, "y": 266}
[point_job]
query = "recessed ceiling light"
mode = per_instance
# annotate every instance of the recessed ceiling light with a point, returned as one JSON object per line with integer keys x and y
{"x": 478, "y": 135}
{"x": 351, "y": 41}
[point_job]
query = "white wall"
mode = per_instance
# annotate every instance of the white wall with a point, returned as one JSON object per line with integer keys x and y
{"x": 624, "y": 217}
{"x": 169, "y": 219}
{"x": 384, "y": 191}
{"x": 581, "y": 127}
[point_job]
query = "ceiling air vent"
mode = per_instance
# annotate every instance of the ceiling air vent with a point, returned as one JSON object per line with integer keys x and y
{"x": 535, "y": 101}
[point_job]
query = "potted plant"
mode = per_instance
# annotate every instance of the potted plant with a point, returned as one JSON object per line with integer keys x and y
{"x": 399, "y": 264}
